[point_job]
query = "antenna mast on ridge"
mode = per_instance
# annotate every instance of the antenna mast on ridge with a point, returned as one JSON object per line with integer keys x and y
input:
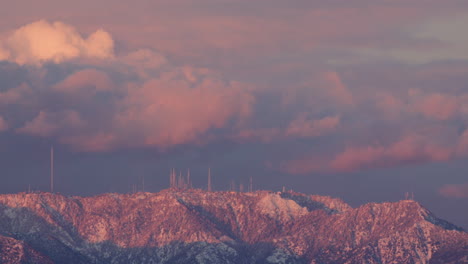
{"x": 52, "y": 169}
{"x": 209, "y": 179}
{"x": 233, "y": 187}
{"x": 172, "y": 178}
{"x": 189, "y": 184}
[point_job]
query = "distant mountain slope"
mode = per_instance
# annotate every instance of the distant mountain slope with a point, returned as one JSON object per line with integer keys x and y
{"x": 195, "y": 226}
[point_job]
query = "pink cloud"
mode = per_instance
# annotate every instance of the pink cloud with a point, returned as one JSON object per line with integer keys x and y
{"x": 438, "y": 106}
{"x": 322, "y": 89}
{"x": 144, "y": 62}
{"x": 86, "y": 82}
{"x": 15, "y": 95}
{"x": 42, "y": 41}
{"x": 265, "y": 135}
{"x": 168, "y": 111}
{"x": 454, "y": 190}
{"x": 183, "y": 106}
{"x": 95, "y": 142}
{"x": 180, "y": 28}
{"x": 300, "y": 127}
{"x": 354, "y": 158}
{"x": 462, "y": 146}
{"x": 408, "y": 150}
{"x": 278, "y": 29}
{"x": 47, "y": 124}
{"x": 164, "y": 105}
{"x": 411, "y": 149}
{"x": 3, "y": 124}
{"x": 305, "y": 165}
{"x": 337, "y": 89}
{"x": 303, "y": 127}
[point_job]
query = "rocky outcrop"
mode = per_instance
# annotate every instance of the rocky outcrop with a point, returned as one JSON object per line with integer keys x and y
{"x": 14, "y": 251}
{"x": 195, "y": 226}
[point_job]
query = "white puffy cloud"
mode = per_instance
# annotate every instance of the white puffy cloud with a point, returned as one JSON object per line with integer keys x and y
{"x": 42, "y": 41}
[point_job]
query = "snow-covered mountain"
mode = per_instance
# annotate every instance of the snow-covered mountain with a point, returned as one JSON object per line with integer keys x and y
{"x": 195, "y": 226}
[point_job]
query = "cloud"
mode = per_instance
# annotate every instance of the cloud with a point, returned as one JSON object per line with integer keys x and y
{"x": 94, "y": 142}
{"x": 3, "y": 124}
{"x": 454, "y": 190}
{"x": 304, "y": 127}
{"x": 175, "y": 109}
{"x": 4, "y": 54}
{"x": 301, "y": 127}
{"x": 320, "y": 90}
{"x": 86, "y": 82}
{"x": 90, "y": 112}
{"x": 411, "y": 149}
{"x": 145, "y": 98}
{"x": 438, "y": 106}
{"x": 42, "y": 41}
{"x": 337, "y": 88}
{"x": 47, "y": 124}
{"x": 14, "y": 95}
{"x": 145, "y": 59}
{"x": 391, "y": 106}
{"x": 305, "y": 165}
{"x": 462, "y": 145}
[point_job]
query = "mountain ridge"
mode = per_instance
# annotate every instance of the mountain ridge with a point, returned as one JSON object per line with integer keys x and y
{"x": 184, "y": 226}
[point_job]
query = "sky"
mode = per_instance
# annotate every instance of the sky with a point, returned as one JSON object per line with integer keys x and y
{"x": 362, "y": 100}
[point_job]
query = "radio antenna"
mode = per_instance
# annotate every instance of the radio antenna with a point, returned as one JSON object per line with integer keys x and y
{"x": 52, "y": 169}
{"x": 209, "y": 179}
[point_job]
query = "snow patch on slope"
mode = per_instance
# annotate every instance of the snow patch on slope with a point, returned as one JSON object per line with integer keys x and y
{"x": 282, "y": 209}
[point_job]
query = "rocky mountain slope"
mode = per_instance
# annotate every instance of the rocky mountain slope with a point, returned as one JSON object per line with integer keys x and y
{"x": 194, "y": 226}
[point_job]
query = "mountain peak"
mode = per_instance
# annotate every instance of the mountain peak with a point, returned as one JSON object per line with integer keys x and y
{"x": 180, "y": 226}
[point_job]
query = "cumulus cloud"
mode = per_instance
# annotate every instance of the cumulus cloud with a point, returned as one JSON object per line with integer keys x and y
{"x": 184, "y": 105}
{"x": 43, "y": 41}
{"x": 437, "y": 106}
{"x": 87, "y": 82}
{"x": 454, "y": 190}
{"x": 47, "y": 124}
{"x": 91, "y": 111}
{"x": 14, "y": 95}
{"x": 143, "y": 99}
{"x": 173, "y": 110}
{"x": 4, "y": 54}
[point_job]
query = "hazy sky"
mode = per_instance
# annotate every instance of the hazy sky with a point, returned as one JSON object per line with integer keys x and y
{"x": 363, "y": 100}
